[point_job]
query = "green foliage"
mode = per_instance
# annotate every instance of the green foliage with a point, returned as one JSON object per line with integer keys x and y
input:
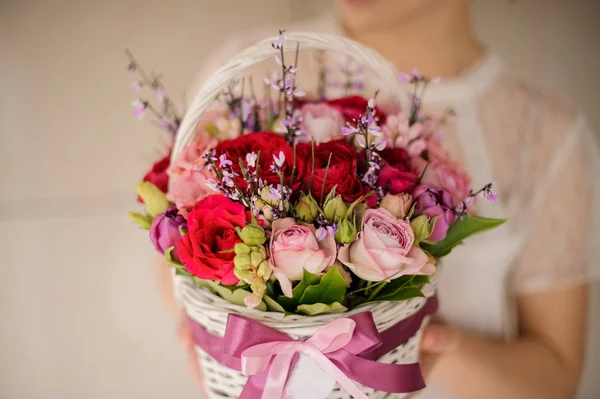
{"x": 459, "y": 231}
{"x": 272, "y": 305}
{"x": 232, "y": 294}
{"x": 402, "y": 288}
{"x": 180, "y": 269}
{"x": 321, "y": 308}
{"x": 331, "y": 288}
{"x": 290, "y": 304}
{"x": 141, "y": 219}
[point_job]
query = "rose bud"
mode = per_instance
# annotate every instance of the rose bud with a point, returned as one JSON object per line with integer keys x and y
{"x": 307, "y": 209}
{"x": 399, "y": 205}
{"x": 421, "y": 227}
{"x": 335, "y": 209}
{"x": 252, "y": 234}
{"x": 166, "y": 229}
{"x": 346, "y": 232}
{"x": 154, "y": 199}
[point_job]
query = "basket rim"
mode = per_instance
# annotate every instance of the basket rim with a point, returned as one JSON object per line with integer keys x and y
{"x": 218, "y": 304}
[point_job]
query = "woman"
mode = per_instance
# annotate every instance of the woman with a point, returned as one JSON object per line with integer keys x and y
{"x": 513, "y": 301}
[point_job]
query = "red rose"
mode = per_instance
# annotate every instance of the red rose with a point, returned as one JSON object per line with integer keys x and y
{"x": 341, "y": 173}
{"x": 158, "y": 174}
{"x": 352, "y": 107}
{"x": 396, "y": 176}
{"x": 206, "y": 248}
{"x": 268, "y": 144}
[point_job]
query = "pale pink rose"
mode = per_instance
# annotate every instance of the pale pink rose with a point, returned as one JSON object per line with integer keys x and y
{"x": 322, "y": 122}
{"x": 189, "y": 173}
{"x": 295, "y": 248}
{"x": 189, "y": 188}
{"x": 443, "y": 172}
{"x": 384, "y": 249}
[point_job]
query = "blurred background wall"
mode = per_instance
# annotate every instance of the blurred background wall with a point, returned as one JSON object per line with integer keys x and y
{"x": 79, "y": 312}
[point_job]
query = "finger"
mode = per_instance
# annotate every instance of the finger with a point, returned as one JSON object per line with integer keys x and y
{"x": 438, "y": 338}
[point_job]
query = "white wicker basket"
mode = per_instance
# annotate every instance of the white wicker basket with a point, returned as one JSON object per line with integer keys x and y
{"x": 211, "y": 311}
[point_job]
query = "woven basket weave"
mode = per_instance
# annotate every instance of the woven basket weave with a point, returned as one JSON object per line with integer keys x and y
{"x": 211, "y": 311}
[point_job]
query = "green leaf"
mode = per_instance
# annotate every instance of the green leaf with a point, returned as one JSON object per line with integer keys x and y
{"x": 180, "y": 269}
{"x": 332, "y": 288}
{"x": 331, "y": 195}
{"x": 402, "y": 288}
{"x": 272, "y": 305}
{"x": 231, "y": 294}
{"x": 321, "y": 308}
{"x": 358, "y": 201}
{"x": 290, "y": 304}
{"x": 141, "y": 219}
{"x": 460, "y": 230}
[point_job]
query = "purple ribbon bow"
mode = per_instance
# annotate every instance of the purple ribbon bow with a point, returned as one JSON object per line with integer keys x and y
{"x": 344, "y": 349}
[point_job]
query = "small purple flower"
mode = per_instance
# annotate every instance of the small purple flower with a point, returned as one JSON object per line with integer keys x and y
{"x": 321, "y": 233}
{"x": 165, "y": 229}
{"x": 280, "y": 39}
{"x": 372, "y": 102}
{"x": 488, "y": 194}
{"x": 279, "y": 160}
{"x": 251, "y": 159}
{"x": 416, "y": 74}
{"x": 213, "y": 185}
{"x": 380, "y": 145}
{"x": 349, "y": 129}
{"x": 139, "y": 108}
{"x": 403, "y": 77}
{"x": 274, "y": 194}
{"x": 131, "y": 67}
{"x": 224, "y": 162}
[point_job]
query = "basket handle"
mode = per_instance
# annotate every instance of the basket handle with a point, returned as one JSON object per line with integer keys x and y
{"x": 262, "y": 50}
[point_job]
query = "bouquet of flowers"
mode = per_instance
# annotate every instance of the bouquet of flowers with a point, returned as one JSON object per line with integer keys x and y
{"x": 326, "y": 214}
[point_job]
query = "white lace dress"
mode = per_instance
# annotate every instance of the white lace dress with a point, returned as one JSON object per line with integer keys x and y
{"x": 539, "y": 149}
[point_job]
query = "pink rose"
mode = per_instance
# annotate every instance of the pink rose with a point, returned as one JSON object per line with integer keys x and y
{"x": 322, "y": 122}
{"x": 384, "y": 249}
{"x": 189, "y": 173}
{"x": 443, "y": 172}
{"x": 295, "y": 248}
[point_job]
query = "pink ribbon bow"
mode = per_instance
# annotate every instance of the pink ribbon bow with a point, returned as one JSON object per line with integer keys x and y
{"x": 330, "y": 338}
{"x": 347, "y": 349}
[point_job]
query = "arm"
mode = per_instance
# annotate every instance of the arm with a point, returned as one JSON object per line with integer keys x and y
{"x": 544, "y": 362}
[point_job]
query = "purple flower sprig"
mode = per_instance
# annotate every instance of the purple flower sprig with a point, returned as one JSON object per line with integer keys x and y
{"x": 364, "y": 129}
{"x": 486, "y": 192}
{"x": 245, "y": 109}
{"x": 166, "y": 114}
{"x": 285, "y": 84}
{"x": 226, "y": 178}
{"x": 352, "y": 75}
{"x": 420, "y": 83}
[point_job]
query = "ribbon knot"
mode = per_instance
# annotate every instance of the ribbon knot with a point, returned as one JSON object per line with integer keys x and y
{"x": 280, "y": 355}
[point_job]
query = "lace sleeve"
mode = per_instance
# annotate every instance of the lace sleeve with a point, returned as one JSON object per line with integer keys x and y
{"x": 563, "y": 231}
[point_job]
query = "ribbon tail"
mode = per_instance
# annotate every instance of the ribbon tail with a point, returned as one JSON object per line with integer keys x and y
{"x": 330, "y": 368}
{"x": 270, "y": 383}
